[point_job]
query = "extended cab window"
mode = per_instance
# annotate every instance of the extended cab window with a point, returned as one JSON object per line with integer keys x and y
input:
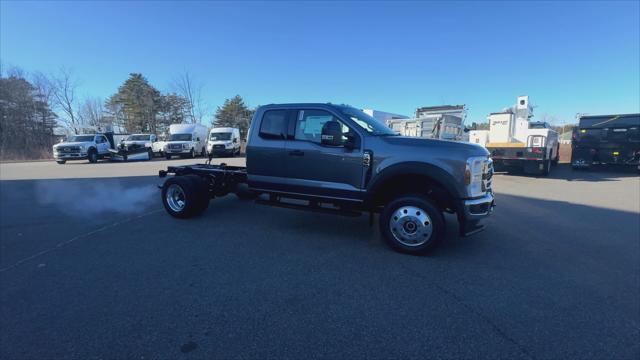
{"x": 274, "y": 124}
{"x": 310, "y": 122}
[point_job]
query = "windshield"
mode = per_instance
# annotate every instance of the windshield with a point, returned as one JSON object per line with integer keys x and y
{"x": 80, "y": 138}
{"x": 220, "y": 136}
{"x": 368, "y": 123}
{"x": 180, "y": 137}
{"x": 138, "y": 137}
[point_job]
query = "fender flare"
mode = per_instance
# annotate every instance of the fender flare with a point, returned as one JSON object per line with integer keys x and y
{"x": 437, "y": 174}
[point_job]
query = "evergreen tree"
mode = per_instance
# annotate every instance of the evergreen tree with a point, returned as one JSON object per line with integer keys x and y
{"x": 234, "y": 113}
{"x": 136, "y": 104}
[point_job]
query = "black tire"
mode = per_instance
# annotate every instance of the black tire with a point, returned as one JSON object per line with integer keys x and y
{"x": 150, "y": 152}
{"x": 192, "y": 154}
{"x": 203, "y": 153}
{"x": 61, "y": 162}
{"x": 167, "y": 156}
{"x": 195, "y": 196}
{"x": 92, "y": 156}
{"x": 546, "y": 167}
{"x": 434, "y": 219}
{"x": 555, "y": 161}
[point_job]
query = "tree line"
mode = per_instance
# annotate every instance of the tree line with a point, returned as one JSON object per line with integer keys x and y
{"x": 37, "y": 109}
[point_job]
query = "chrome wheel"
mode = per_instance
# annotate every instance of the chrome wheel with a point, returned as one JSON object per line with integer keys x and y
{"x": 175, "y": 198}
{"x": 411, "y": 226}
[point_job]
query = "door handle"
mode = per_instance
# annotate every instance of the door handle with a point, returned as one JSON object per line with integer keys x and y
{"x": 296, "y": 153}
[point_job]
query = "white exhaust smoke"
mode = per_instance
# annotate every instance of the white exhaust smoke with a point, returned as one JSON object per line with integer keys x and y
{"x": 84, "y": 198}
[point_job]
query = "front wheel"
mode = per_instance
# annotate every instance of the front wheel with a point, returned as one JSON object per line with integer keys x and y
{"x": 93, "y": 156}
{"x": 167, "y": 156}
{"x": 192, "y": 154}
{"x": 412, "y": 224}
{"x": 61, "y": 162}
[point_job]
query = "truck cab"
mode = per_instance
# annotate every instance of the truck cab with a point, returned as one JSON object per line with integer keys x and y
{"x": 82, "y": 147}
{"x": 336, "y": 158}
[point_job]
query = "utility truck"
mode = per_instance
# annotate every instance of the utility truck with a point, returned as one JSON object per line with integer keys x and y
{"x": 186, "y": 140}
{"x": 514, "y": 141}
{"x": 337, "y": 159}
{"x": 90, "y": 147}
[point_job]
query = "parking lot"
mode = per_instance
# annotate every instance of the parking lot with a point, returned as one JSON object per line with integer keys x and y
{"x": 92, "y": 267}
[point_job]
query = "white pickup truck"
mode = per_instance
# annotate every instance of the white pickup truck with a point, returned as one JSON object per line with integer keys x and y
{"x": 149, "y": 141}
{"x": 82, "y": 147}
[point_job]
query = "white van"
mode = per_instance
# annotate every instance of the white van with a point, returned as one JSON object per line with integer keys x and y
{"x": 186, "y": 140}
{"x": 224, "y": 141}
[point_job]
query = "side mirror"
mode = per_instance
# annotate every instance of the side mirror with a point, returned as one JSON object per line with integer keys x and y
{"x": 351, "y": 141}
{"x": 331, "y": 134}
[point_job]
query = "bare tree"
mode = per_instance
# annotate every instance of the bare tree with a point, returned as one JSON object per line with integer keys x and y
{"x": 64, "y": 87}
{"x": 186, "y": 86}
{"x": 91, "y": 112}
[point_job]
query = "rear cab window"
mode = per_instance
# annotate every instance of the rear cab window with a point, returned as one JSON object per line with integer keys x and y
{"x": 273, "y": 124}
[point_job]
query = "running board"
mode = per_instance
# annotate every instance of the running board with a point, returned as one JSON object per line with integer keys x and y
{"x": 311, "y": 208}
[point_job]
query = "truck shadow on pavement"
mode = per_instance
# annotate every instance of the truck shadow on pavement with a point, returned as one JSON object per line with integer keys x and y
{"x": 571, "y": 270}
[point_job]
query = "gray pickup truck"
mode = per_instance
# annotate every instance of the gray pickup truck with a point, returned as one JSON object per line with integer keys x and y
{"x": 337, "y": 159}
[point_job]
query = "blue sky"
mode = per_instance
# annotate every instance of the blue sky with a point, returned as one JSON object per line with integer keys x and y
{"x": 569, "y": 57}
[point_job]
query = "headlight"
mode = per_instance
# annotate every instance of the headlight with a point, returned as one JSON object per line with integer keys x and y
{"x": 83, "y": 147}
{"x": 473, "y": 175}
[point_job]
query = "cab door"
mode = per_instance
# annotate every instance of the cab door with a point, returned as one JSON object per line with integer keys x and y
{"x": 321, "y": 170}
{"x": 265, "y": 151}
{"x": 102, "y": 144}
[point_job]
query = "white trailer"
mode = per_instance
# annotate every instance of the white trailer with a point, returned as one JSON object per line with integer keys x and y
{"x": 515, "y": 141}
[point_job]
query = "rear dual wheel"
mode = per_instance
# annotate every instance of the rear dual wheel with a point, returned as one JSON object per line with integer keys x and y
{"x": 185, "y": 196}
{"x": 412, "y": 224}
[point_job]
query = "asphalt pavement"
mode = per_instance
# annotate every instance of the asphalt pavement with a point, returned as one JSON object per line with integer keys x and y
{"x": 91, "y": 267}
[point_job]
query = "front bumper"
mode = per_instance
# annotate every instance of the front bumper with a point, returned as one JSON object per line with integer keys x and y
{"x": 177, "y": 151}
{"x": 472, "y": 211}
{"x": 221, "y": 151}
{"x": 70, "y": 156}
{"x": 478, "y": 209}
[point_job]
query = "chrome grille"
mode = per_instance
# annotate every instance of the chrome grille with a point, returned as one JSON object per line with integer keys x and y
{"x": 68, "y": 149}
{"x": 487, "y": 175}
{"x": 175, "y": 146}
